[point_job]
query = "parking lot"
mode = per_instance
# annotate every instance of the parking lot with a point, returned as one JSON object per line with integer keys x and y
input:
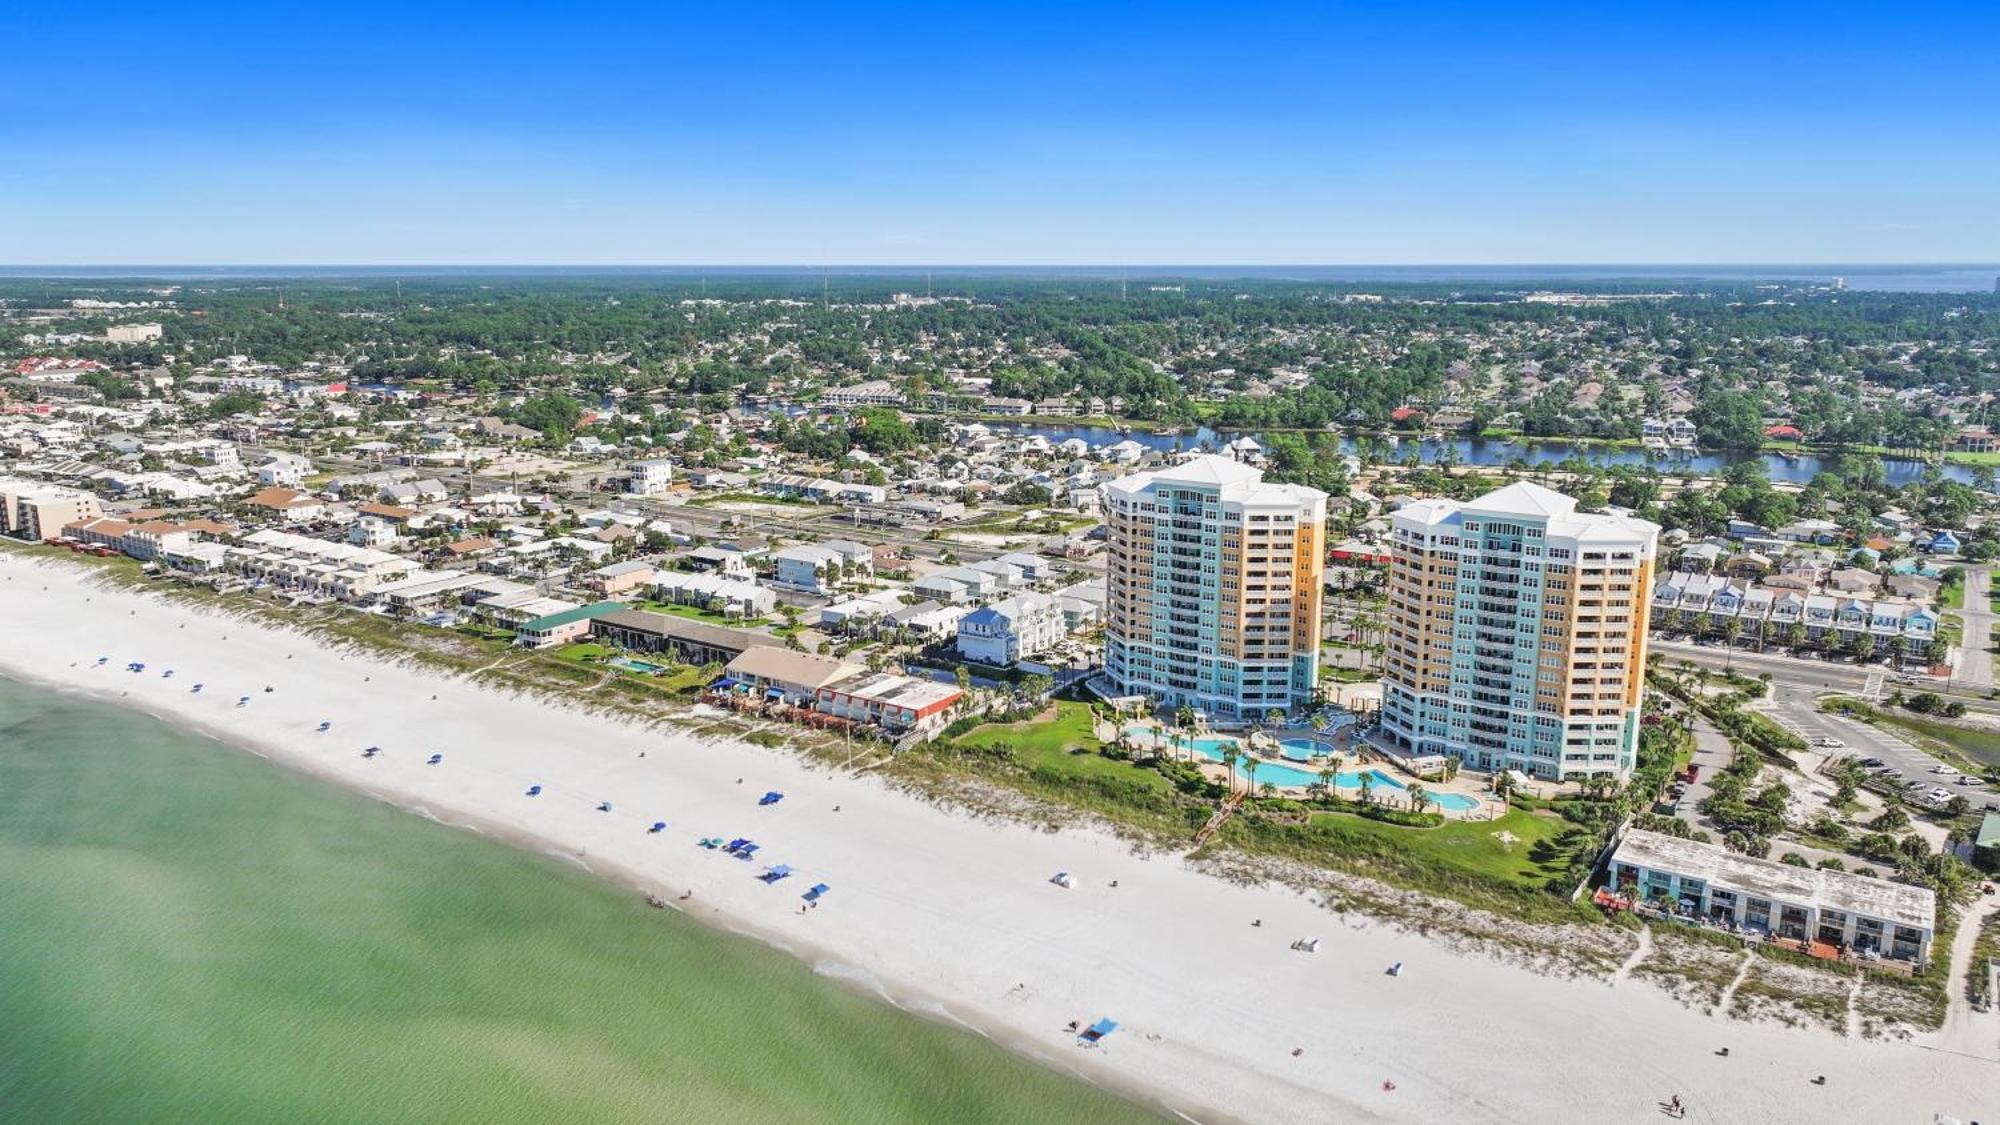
{"x": 1794, "y": 708}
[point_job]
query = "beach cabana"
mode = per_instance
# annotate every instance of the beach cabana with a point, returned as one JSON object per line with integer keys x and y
{"x": 771, "y": 798}
{"x": 1062, "y": 879}
{"x": 746, "y": 851}
{"x": 817, "y": 890}
{"x": 1096, "y": 1032}
{"x": 773, "y": 874}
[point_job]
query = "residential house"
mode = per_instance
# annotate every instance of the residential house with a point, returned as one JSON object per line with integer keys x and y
{"x": 1009, "y": 630}
{"x": 618, "y": 578}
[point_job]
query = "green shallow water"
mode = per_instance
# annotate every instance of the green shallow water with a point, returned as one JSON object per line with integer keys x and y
{"x": 189, "y": 934}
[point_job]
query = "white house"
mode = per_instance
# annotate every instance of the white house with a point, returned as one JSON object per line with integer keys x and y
{"x": 1010, "y": 629}
{"x": 649, "y": 478}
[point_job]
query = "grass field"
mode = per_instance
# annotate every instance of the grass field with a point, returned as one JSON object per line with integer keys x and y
{"x": 1064, "y": 744}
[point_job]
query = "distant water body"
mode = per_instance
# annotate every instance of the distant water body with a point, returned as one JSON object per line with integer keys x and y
{"x": 188, "y": 934}
{"x": 1956, "y": 277}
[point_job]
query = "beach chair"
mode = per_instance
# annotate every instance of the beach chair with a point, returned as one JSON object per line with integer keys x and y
{"x": 817, "y": 890}
{"x": 773, "y": 874}
{"x": 771, "y": 798}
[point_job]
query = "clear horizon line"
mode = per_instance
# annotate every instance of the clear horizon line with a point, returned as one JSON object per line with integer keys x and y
{"x": 810, "y": 266}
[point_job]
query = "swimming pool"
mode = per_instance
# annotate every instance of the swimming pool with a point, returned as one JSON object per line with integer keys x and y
{"x": 641, "y": 666}
{"x": 1289, "y": 777}
{"x": 1303, "y": 749}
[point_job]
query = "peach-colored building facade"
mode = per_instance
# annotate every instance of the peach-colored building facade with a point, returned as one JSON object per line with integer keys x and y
{"x": 1213, "y": 588}
{"x": 1517, "y": 634}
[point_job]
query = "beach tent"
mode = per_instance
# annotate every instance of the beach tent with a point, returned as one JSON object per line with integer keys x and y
{"x": 723, "y": 684}
{"x": 1096, "y": 1032}
{"x": 658, "y": 826}
{"x": 771, "y": 798}
{"x": 818, "y": 889}
{"x": 773, "y": 874}
{"x": 711, "y": 842}
{"x": 1062, "y": 879}
{"x": 534, "y": 790}
{"x": 737, "y": 843}
{"x": 435, "y": 759}
{"x": 746, "y": 851}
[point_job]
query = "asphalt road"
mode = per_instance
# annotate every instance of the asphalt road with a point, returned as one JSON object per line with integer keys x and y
{"x": 1975, "y": 659}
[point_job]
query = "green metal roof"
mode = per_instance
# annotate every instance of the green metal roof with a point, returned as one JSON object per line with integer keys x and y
{"x": 570, "y": 616}
{"x": 1989, "y": 832}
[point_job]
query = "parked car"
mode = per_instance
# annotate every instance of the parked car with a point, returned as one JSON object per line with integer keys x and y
{"x": 1943, "y": 769}
{"x": 1828, "y": 743}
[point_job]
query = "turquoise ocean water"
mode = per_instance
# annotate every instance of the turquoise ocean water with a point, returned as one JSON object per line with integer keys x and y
{"x": 190, "y": 934}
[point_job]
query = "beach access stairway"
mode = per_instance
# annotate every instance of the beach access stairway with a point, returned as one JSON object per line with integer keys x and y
{"x": 1221, "y": 817}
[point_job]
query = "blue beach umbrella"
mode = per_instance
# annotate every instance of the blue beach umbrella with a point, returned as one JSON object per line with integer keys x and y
{"x": 534, "y": 790}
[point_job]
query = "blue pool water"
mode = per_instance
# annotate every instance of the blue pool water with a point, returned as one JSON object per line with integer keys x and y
{"x": 1303, "y": 749}
{"x": 632, "y": 665}
{"x": 1288, "y": 777}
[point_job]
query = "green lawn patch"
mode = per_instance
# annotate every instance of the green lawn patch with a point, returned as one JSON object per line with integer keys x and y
{"x": 1063, "y": 743}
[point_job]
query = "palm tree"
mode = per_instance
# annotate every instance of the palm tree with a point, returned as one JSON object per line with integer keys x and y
{"x": 1230, "y": 756}
{"x": 1419, "y": 796}
{"x": 1275, "y": 717}
{"x": 1730, "y": 628}
{"x": 1367, "y": 788}
{"x": 1250, "y": 775}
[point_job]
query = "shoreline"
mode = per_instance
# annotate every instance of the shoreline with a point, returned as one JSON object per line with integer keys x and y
{"x": 941, "y": 914}
{"x": 821, "y": 961}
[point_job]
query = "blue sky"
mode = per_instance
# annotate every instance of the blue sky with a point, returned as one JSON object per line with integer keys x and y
{"x": 1058, "y": 134}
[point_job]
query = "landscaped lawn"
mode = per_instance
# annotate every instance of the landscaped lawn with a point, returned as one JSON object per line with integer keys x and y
{"x": 696, "y": 613}
{"x": 1502, "y": 849}
{"x": 1063, "y": 743}
{"x": 582, "y": 653}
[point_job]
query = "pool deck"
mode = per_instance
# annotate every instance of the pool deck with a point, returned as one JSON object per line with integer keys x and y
{"x": 1469, "y": 800}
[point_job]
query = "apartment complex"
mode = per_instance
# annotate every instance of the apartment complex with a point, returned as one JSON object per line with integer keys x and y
{"x": 1213, "y": 588}
{"x": 1517, "y": 634}
{"x": 40, "y": 511}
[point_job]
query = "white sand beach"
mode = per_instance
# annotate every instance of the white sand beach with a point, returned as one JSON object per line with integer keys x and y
{"x": 957, "y": 917}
